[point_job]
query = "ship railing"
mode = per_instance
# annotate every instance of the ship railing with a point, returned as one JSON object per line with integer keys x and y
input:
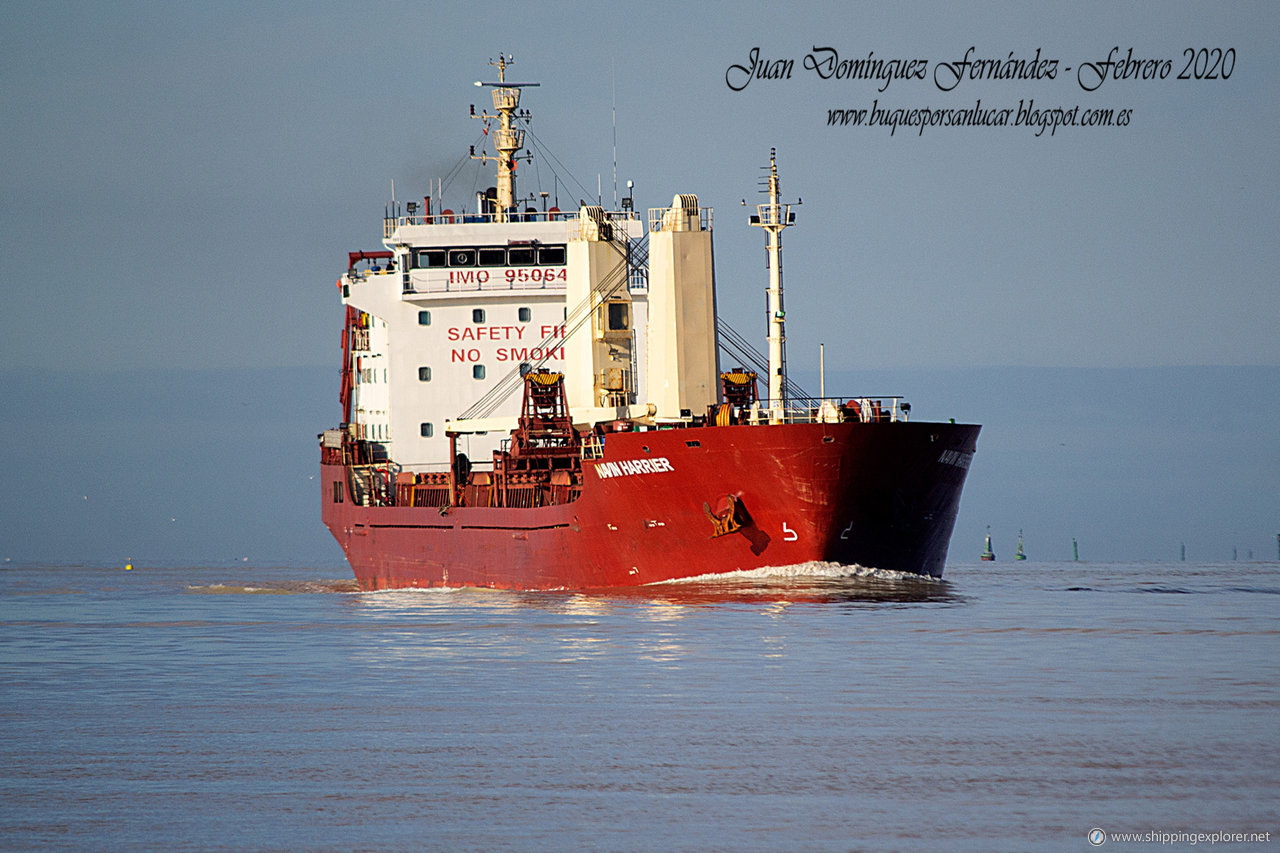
{"x": 449, "y": 217}
{"x": 812, "y": 410}
{"x": 493, "y": 284}
{"x": 355, "y": 276}
{"x": 373, "y": 484}
{"x": 601, "y": 226}
{"x": 592, "y": 446}
{"x": 668, "y": 218}
{"x": 485, "y": 489}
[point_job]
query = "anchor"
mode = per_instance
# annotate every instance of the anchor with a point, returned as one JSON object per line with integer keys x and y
{"x": 730, "y": 519}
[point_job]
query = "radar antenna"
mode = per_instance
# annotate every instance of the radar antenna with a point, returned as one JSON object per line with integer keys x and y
{"x": 507, "y": 139}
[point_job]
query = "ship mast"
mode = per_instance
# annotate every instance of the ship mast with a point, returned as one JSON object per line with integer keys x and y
{"x": 774, "y": 217}
{"x": 507, "y": 139}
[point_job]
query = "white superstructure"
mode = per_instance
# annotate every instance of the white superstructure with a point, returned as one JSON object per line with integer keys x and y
{"x": 461, "y": 305}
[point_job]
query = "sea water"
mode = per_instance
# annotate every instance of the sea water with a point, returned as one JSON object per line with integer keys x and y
{"x": 1012, "y": 706}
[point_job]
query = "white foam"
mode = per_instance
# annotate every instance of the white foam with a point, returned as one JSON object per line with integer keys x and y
{"x": 805, "y": 571}
{"x": 418, "y": 590}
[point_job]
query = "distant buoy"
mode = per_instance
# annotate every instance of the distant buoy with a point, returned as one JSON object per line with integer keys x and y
{"x": 128, "y": 567}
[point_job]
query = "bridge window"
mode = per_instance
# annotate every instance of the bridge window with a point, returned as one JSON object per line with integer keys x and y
{"x": 489, "y": 256}
{"x": 522, "y": 257}
{"x": 432, "y": 257}
{"x": 492, "y": 257}
{"x": 551, "y": 255}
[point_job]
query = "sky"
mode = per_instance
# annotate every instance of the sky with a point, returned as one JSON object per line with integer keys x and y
{"x": 181, "y": 183}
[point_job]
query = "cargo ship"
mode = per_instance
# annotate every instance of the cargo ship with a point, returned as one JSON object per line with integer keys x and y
{"x": 543, "y": 399}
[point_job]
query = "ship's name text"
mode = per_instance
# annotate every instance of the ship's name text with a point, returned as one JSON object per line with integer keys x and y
{"x": 958, "y": 458}
{"x": 630, "y": 467}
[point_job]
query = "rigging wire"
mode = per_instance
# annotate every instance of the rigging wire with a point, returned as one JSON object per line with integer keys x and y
{"x": 558, "y": 167}
{"x": 614, "y": 280}
{"x": 729, "y": 340}
{"x": 732, "y": 342}
{"x": 555, "y": 162}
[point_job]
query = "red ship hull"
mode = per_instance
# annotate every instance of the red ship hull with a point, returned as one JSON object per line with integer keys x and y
{"x": 880, "y": 495}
